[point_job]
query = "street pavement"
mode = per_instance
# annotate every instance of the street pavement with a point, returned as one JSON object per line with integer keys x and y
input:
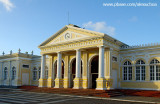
{"x": 16, "y": 96}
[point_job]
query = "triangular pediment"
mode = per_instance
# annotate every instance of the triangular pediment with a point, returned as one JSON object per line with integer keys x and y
{"x": 70, "y": 34}
{"x": 67, "y": 36}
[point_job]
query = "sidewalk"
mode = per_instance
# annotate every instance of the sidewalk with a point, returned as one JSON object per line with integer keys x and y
{"x": 100, "y": 94}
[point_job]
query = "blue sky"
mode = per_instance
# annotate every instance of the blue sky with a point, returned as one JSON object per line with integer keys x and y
{"x": 27, "y": 23}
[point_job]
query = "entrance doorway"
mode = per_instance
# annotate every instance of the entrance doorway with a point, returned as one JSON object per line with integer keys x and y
{"x": 25, "y": 78}
{"x": 94, "y": 71}
{"x": 55, "y": 70}
{"x": 73, "y": 72}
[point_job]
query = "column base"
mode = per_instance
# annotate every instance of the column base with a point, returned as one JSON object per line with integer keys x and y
{"x": 109, "y": 83}
{"x": 18, "y": 82}
{"x": 66, "y": 83}
{"x": 101, "y": 84}
{"x": 77, "y": 83}
{"x": 1, "y": 81}
{"x": 50, "y": 82}
{"x": 58, "y": 83}
{"x": 8, "y": 82}
{"x": 85, "y": 83}
{"x": 42, "y": 83}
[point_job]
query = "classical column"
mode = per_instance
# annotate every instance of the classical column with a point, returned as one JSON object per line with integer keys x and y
{"x": 78, "y": 79}
{"x": 41, "y": 80}
{"x": 101, "y": 82}
{"x": 101, "y": 62}
{"x": 59, "y": 80}
{"x": 78, "y": 63}
{"x": 59, "y": 65}
{"x": 43, "y": 61}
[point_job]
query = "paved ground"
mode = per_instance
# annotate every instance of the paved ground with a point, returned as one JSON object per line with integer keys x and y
{"x": 16, "y": 96}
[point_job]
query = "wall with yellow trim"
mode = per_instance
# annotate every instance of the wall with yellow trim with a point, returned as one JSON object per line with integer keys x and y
{"x": 141, "y": 85}
{"x": 133, "y": 56}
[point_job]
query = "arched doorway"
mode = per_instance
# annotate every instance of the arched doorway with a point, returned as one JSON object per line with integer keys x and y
{"x": 94, "y": 71}
{"x": 55, "y": 70}
{"x": 73, "y": 72}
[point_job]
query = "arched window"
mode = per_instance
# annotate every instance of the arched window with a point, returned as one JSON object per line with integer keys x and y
{"x": 13, "y": 73}
{"x": 154, "y": 70}
{"x": 46, "y": 72}
{"x": 39, "y": 73}
{"x": 34, "y": 73}
{"x": 140, "y": 70}
{"x": 127, "y": 71}
{"x": 5, "y": 73}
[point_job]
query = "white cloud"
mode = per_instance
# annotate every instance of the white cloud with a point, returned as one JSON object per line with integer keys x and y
{"x": 100, "y": 27}
{"x": 133, "y": 19}
{"x": 7, "y": 4}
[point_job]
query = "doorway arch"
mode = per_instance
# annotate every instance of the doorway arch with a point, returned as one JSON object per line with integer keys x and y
{"x": 93, "y": 75}
{"x": 55, "y": 70}
{"x": 72, "y": 73}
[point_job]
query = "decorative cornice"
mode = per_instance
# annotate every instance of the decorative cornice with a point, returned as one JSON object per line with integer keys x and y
{"x": 98, "y": 34}
{"x": 71, "y": 46}
{"x": 141, "y": 46}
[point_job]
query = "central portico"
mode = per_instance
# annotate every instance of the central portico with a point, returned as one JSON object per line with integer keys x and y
{"x": 78, "y": 58}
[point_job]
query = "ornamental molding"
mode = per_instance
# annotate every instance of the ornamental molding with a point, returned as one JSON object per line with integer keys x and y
{"x": 71, "y": 46}
{"x": 106, "y": 43}
{"x": 78, "y": 36}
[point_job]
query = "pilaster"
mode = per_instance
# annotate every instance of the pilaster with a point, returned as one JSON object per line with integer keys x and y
{"x": 58, "y": 83}
{"x": 85, "y": 83}
{"x": 85, "y": 71}
{"x": 66, "y": 75}
{"x": 18, "y": 79}
{"x": 66, "y": 82}
{"x": 50, "y": 81}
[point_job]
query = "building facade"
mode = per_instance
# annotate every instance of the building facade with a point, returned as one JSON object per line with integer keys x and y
{"x": 17, "y": 69}
{"x": 79, "y": 58}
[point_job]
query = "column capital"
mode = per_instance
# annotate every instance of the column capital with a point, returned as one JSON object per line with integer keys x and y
{"x": 100, "y": 46}
{"x": 59, "y": 52}
{"x": 78, "y": 49}
{"x": 109, "y": 49}
{"x": 43, "y": 54}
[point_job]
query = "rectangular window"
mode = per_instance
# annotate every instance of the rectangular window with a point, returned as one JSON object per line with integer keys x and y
{"x": 137, "y": 72}
{"x": 25, "y": 66}
{"x": 129, "y": 73}
{"x": 152, "y": 72}
{"x": 143, "y": 75}
{"x": 34, "y": 75}
{"x": 125, "y": 73}
{"x": 157, "y": 72}
{"x": 13, "y": 75}
{"x": 46, "y": 74}
{"x": 114, "y": 59}
{"x": 39, "y": 74}
{"x": 5, "y": 75}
